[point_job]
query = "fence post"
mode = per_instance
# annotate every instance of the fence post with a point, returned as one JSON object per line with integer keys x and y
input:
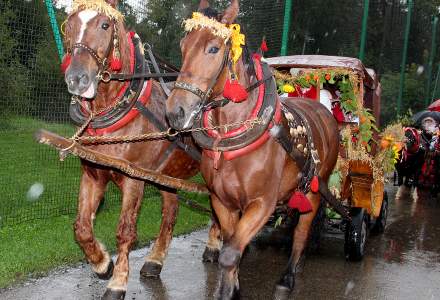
{"x": 54, "y": 24}
{"x": 434, "y": 92}
{"x": 431, "y": 59}
{"x": 286, "y": 27}
{"x": 364, "y": 30}
{"x": 405, "y": 52}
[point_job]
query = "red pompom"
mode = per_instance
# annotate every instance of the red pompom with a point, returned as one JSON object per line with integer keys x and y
{"x": 67, "y": 59}
{"x": 264, "y": 47}
{"x": 257, "y": 57}
{"x": 314, "y": 185}
{"x": 300, "y": 202}
{"x": 234, "y": 91}
{"x": 115, "y": 64}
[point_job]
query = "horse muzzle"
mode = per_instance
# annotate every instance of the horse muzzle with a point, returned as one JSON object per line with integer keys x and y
{"x": 81, "y": 83}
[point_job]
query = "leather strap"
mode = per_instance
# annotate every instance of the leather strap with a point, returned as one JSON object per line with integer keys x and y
{"x": 125, "y": 104}
{"x": 190, "y": 150}
{"x": 246, "y": 138}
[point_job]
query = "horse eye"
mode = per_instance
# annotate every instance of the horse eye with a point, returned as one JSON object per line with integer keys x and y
{"x": 213, "y": 50}
{"x": 105, "y": 26}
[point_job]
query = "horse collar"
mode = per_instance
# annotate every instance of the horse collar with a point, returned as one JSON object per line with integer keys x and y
{"x": 243, "y": 139}
{"x": 126, "y": 97}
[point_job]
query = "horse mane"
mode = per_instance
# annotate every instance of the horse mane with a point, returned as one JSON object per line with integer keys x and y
{"x": 211, "y": 13}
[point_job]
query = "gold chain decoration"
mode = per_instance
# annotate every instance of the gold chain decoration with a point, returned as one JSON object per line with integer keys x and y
{"x": 90, "y": 140}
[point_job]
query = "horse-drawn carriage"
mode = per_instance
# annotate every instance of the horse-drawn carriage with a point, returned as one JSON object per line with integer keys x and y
{"x": 352, "y": 93}
{"x": 257, "y": 150}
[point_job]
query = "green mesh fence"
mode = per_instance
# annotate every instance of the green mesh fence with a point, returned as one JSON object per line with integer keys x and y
{"x": 33, "y": 184}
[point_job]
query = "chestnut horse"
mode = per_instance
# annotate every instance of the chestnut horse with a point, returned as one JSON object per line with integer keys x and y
{"x": 92, "y": 36}
{"x": 246, "y": 185}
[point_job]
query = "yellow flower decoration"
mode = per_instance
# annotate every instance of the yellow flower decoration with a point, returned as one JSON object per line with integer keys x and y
{"x": 288, "y": 88}
{"x": 100, "y": 6}
{"x": 237, "y": 40}
{"x": 199, "y": 21}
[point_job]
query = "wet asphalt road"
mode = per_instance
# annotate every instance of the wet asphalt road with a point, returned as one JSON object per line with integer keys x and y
{"x": 403, "y": 263}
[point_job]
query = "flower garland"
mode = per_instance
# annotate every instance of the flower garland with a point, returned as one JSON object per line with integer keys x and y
{"x": 350, "y": 99}
{"x": 358, "y": 141}
{"x": 200, "y": 21}
{"x": 100, "y": 6}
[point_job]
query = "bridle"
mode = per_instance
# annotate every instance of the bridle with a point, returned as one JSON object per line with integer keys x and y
{"x": 103, "y": 73}
{"x": 102, "y": 63}
{"x": 204, "y": 96}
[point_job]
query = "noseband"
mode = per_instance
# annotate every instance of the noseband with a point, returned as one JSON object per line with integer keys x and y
{"x": 102, "y": 63}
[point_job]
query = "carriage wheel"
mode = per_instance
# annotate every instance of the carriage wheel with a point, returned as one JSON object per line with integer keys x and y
{"x": 381, "y": 221}
{"x": 356, "y": 234}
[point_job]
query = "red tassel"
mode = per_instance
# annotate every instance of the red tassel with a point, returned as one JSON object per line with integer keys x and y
{"x": 314, "y": 185}
{"x": 115, "y": 64}
{"x": 67, "y": 59}
{"x": 234, "y": 91}
{"x": 263, "y": 46}
{"x": 299, "y": 201}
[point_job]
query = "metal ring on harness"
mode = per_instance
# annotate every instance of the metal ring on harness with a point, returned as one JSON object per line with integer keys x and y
{"x": 105, "y": 76}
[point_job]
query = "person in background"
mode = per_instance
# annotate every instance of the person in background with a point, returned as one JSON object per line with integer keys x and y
{"x": 325, "y": 98}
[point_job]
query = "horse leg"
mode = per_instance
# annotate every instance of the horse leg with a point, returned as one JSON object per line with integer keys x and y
{"x": 254, "y": 217}
{"x": 90, "y": 194}
{"x": 154, "y": 262}
{"x": 212, "y": 250}
{"x": 132, "y": 194}
{"x": 300, "y": 238}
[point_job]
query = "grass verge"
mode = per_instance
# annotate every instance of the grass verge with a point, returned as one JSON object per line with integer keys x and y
{"x": 34, "y": 236}
{"x": 32, "y": 249}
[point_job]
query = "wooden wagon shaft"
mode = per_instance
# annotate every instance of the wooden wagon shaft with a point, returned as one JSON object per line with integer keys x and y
{"x": 61, "y": 143}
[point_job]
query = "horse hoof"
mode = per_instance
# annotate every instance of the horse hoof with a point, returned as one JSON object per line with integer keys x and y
{"x": 108, "y": 274}
{"x": 211, "y": 255}
{"x": 287, "y": 282}
{"x": 151, "y": 269}
{"x": 229, "y": 257}
{"x": 113, "y": 295}
{"x": 281, "y": 292}
{"x": 225, "y": 294}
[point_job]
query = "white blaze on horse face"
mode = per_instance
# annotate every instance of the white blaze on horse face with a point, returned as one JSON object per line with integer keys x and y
{"x": 85, "y": 16}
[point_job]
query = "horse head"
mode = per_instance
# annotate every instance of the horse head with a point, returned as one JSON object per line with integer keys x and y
{"x": 412, "y": 140}
{"x": 94, "y": 38}
{"x": 205, "y": 59}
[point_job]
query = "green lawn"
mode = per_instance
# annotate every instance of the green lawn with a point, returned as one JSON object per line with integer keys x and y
{"x": 36, "y": 234}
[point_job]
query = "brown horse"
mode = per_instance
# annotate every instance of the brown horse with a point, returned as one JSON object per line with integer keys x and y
{"x": 247, "y": 184}
{"x": 92, "y": 35}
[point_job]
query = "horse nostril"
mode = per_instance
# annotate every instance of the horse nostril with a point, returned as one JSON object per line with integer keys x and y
{"x": 180, "y": 113}
{"x": 70, "y": 79}
{"x": 83, "y": 80}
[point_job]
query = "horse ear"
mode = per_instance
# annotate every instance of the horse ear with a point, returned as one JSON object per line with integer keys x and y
{"x": 204, "y": 4}
{"x": 231, "y": 12}
{"x": 113, "y": 3}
